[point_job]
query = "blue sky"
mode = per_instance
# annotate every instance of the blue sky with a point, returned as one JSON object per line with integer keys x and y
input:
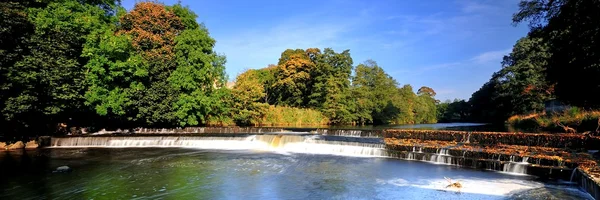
{"x": 452, "y": 46}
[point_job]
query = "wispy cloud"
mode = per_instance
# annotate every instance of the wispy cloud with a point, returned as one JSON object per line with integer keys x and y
{"x": 476, "y": 6}
{"x": 487, "y": 58}
{"x": 490, "y": 57}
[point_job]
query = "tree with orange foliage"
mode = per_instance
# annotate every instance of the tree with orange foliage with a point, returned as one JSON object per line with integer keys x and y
{"x": 155, "y": 67}
{"x": 293, "y": 77}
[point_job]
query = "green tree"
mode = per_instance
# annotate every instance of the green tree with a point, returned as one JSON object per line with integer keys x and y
{"x": 293, "y": 78}
{"x": 406, "y": 101}
{"x": 520, "y": 87}
{"x": 442, "y": 110}
{"x": 453, "y": 111}
{"x": 156, "y": 68}
{"x": 200, "y": 72}
{"x": 266, "y": 76}
{"x": 374, "y": 91}
{"x": 426, "y": 110}
{"x": 249, "y": 92}
{"x": 331, "y": 85}
{"x": 14, "y": 31}
{"x": 570, "y": 27}
{"x": 522, "y": 79}
{"x": 42, "y": 74}
{"x": 486, "y": 105}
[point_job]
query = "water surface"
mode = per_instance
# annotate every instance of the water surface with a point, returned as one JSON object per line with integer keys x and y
{"x": 183, "y": 173}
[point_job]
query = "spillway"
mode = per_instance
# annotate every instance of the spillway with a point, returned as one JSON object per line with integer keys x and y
{"x": 279, "y": 143}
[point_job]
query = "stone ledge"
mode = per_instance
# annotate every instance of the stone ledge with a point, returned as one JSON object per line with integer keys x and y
{"x": 571, "y": 141}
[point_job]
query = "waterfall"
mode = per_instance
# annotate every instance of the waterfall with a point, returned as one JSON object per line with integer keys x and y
{"x": 573, "y": 175}
{"x": 415, "y": 154}
{"x": 350, "y": 133}
{"x": 441, "y": 156}
{"x": 278, "y": 143}
{"x": 228, "y": 143}
{"x": 516, "y": 167}
{"x": 468, "y": 138}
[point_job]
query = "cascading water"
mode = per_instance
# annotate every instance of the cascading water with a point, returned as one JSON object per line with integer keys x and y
{"x": 441, "y": 157}
{"x": 516, "y": 167}
{"x": 278, "y": 143}
{"x": 413, "y": 155}
{"x": 350, "y": 133}
{"x": 293, "y": 143}
{"x": 229, "y": 143}
{"x": 468, "y": 140}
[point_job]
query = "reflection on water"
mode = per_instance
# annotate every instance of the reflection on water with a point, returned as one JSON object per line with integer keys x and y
{"x": 177, "y": 173}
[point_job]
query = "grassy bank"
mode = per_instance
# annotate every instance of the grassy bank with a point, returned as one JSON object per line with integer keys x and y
{"x": 579, "y": 120}
{"x": 270, "y": 115}
{"x": 281, "y": 115}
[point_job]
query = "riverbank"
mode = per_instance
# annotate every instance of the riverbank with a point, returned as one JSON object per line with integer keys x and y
{"x": 571, "y": 120}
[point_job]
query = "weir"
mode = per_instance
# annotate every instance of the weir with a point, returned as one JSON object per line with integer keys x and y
{"x": 548, "y": 156}
{"x": 278, "y": 143}
{"x": 311, "y": 144}
{"x": 442, "y": 156}
{"x": 544, "y": 155}
{"x": 351, "y": 133}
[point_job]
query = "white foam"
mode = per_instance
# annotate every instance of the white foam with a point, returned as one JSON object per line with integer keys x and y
{"x": 275, "y": 143}
{"x": 471, "y": 188}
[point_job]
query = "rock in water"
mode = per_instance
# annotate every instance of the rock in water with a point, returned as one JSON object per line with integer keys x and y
{"x": 63, "y": 169}
{"x": 16, "y": 145}
{"x": 31, "y": 145}
{"x": 2, "y": 146}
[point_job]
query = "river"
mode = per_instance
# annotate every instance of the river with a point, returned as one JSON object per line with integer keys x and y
{"x": 184, "y": 169}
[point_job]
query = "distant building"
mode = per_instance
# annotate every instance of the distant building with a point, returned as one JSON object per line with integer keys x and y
{"x": 554, "y": 106}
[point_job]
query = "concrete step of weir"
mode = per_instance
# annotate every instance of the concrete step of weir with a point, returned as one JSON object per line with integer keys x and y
{"x": 545, "y": 171}
{"x": 556, "y": 140}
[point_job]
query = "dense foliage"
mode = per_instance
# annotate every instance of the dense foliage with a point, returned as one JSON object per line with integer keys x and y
{"x": 453, "y": 111}
{"x": 81, "y": 63}
{"x": 520, "y": 87}
{"x": 557, "y": 60}
{"x": 323, "y": 81}
{"x": 42, "y": 70}
{"x": 91, "y": 63}
{"x": 571, "y": 28}
{"x": 154, "y": 68}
